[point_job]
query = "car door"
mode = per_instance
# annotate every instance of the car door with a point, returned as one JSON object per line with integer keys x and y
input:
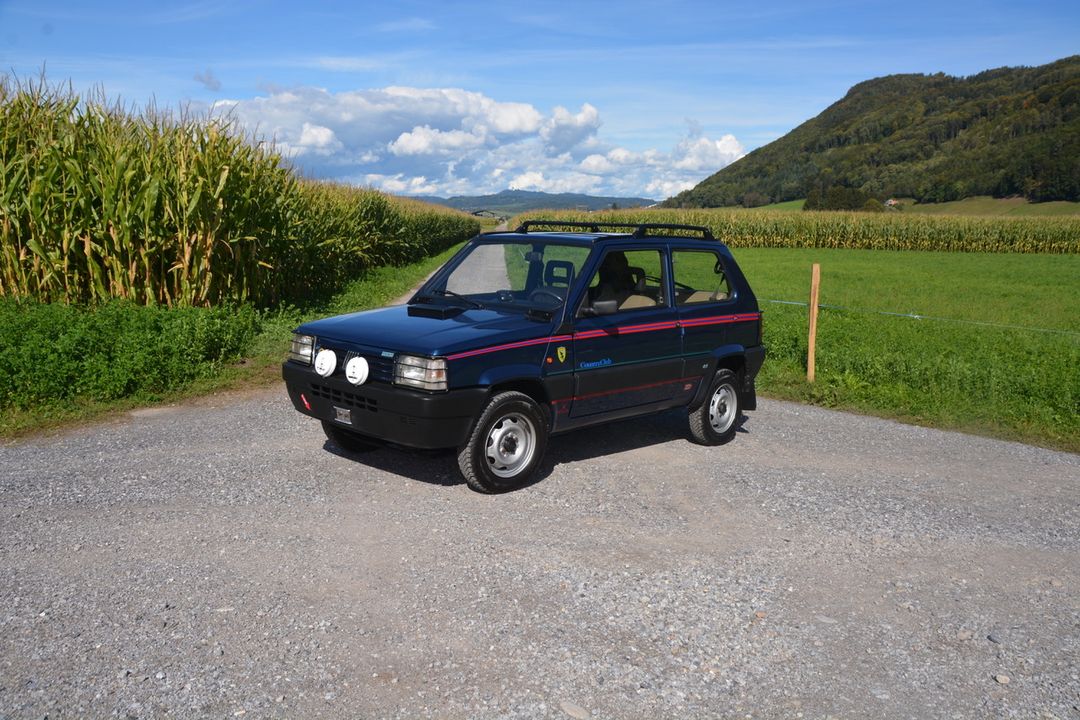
{"x": 631, "y": 357}
{"x": 704, "y": 302}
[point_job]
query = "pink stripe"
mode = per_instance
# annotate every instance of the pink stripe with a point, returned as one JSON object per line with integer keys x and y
{"x": 510, "y": 346}
{"x": 693, "y": 378}
{"x": 721, "y": 319}
{"x": 630, "y": 330}
{"x": 621, "y": 330}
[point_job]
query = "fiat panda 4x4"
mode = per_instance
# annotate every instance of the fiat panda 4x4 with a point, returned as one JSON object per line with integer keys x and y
{"x": 525, "y": 334}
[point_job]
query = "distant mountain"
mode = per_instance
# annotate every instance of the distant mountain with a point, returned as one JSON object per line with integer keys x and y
{"x": 511, "y": 202}
{"x": 1010, "y": 131}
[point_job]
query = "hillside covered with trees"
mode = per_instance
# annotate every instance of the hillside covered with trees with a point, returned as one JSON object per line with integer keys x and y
{"x": 512, "y": 202}
{"x": 935, "y": 138}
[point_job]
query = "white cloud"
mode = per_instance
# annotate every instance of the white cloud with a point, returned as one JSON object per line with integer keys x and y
{"x": 317, "y": 137}
{"x": 531, "y": 180}
{"x": 567, "y": 182}
{"x": 400, "y": 184}
{"x": 597, "y": 164}
{"x": 426, "y": 141}
{"x": 564, "y": 131}
{"x": 701, "y": 153}
{"x": 474, "y": 109}
{"x": 450, "y": 141}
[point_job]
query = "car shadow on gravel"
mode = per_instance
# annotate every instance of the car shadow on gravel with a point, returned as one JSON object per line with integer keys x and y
{"x": 618, "y": 437}
{"x": 435, "y": 467}
{"x": 439, "y": 467}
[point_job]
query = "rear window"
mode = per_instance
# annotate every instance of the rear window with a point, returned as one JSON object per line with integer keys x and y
{"x": 699, "y": 277}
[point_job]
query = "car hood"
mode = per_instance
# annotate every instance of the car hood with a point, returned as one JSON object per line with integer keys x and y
{"x": 392, "y": 328}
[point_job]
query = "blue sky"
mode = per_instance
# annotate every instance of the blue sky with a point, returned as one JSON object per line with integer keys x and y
{"x": 630, "y": 98}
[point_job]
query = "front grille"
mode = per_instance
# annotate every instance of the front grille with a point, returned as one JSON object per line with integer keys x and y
{"x": 381, "y": 368}
{"x": 344, "y": 398}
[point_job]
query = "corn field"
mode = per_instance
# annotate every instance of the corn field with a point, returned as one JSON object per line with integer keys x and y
{"x": 860, "y": 231}
{"x": 98, "y": 202}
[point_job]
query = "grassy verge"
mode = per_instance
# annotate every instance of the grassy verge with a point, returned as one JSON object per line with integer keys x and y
{"x": 1020, "y": 383}
{"x": 978, "y": 205}
{"x": 982, "y": 205}
{"x": 252, "y": 360}
{"x": 788, "y": 206}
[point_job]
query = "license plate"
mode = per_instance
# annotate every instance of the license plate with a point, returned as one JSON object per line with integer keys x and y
{"x": 343, "y": 415}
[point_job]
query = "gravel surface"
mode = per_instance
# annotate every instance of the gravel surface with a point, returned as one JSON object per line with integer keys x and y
{"x": 219, "y": 559}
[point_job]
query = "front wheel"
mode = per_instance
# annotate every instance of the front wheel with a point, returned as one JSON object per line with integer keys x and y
{"x": 715, "y": 422}
{"x": 506, "y": 444}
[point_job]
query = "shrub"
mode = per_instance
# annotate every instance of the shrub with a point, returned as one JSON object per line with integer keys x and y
{"x": 51, "y": 351}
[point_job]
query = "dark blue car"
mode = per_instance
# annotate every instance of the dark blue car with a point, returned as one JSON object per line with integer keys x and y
{"x": 528, "y": 333}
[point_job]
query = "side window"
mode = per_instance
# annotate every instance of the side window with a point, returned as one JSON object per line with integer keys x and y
{"x": 699, "y": 277}
{"x": 632, "y": 278}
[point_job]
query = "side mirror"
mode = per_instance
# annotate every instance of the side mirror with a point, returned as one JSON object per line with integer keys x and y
{"x": 605, "y": 307}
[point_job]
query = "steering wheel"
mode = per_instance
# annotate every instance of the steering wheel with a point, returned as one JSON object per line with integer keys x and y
{"x": 543, "y": 292}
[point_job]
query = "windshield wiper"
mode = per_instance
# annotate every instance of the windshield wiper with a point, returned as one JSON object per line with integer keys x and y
{"x": 469, "y": 301}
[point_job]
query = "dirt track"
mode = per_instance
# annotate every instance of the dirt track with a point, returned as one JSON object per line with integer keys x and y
{"x": 219, "y": 560}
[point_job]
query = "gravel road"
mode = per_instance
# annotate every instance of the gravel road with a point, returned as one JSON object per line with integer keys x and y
{"x": 219, "y": 559}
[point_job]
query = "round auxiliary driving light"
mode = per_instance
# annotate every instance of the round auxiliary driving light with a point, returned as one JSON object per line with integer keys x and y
{"x": 356, "y": 371}
{"x": 325, "y": 362}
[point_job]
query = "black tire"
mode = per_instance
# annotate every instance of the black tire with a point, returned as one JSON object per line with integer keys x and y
{"x": 715, "y": 422}
{"x": 345, "y": 440}
{"x": 506, "y": 445}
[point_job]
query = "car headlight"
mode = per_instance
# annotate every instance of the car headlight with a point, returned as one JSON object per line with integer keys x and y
{"x": 302, "y": 348}
{"x": 420, "y": 372}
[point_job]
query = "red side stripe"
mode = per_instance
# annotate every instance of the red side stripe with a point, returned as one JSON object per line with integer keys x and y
{"x": 618, "y": 330}
{"x": 694, "y": 378}
{"x": 510, "y": 346}
{"x": 721, "y": 319}
{"x": 648, "y": 327}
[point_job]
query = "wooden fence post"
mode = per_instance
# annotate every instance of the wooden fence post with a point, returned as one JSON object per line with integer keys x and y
{"x": 815, "y": 282}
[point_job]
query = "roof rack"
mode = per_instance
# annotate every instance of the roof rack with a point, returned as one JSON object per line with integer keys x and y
{"x": 644, "y": 228}
{"x": 640, "y": 230}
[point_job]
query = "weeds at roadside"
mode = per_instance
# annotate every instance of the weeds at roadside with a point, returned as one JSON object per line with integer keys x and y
{"x": 252, "y": 356}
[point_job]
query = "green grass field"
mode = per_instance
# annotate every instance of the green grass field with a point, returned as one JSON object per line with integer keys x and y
{"x": 1018, "y": 382}
{"x": 789, "y": 206}
{"x": 1029, "y": 290}
{"x": 981, "y": 205}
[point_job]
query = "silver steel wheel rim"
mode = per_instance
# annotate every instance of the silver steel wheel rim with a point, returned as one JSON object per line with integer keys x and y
{"x": 510, "y": 445}
{"x": 722, "y": 408}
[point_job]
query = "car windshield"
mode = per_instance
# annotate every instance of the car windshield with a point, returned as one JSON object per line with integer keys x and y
{"x": 525, "y": 275}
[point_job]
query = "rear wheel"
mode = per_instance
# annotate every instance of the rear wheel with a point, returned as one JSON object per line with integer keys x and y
{"x": 506, "y": 444}
{"x": 715, "y": 422}
{"x": 346, "y": 440}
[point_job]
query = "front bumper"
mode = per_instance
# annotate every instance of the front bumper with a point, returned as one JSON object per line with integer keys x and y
{"x": 386, "y": 412}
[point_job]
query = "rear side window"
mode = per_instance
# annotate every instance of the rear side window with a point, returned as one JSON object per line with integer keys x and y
{"x": 634, "y": 279}
{"x": 699, "y": 277}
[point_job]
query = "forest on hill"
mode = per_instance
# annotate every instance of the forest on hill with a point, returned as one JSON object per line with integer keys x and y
{"x": 934, "y": 138}
{"x": 512, "y": 202}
